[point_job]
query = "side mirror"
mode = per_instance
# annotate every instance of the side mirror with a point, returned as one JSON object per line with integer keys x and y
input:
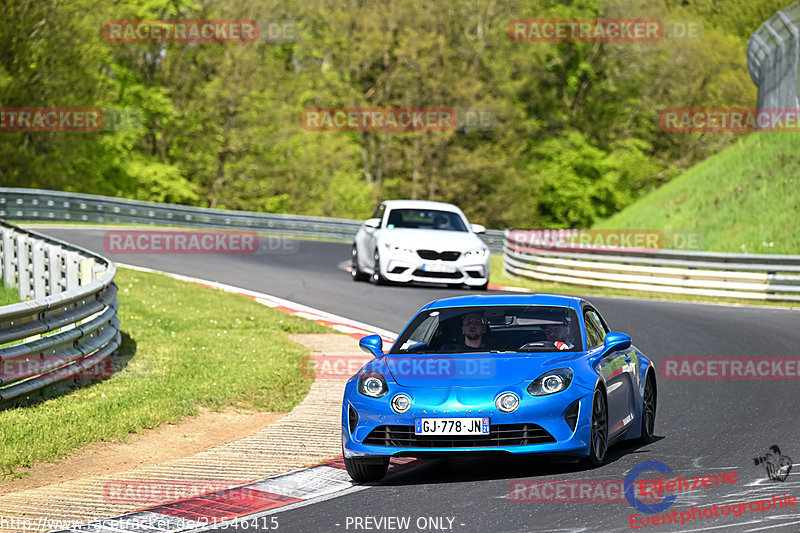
{"x": 373, "y": 223}
{"x": 616, "y": 340}
{"x": 477, "y": 228}
{"x": 374, "y": 344}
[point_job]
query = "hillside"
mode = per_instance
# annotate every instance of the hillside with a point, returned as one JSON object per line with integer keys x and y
{"x": 744, "y": 199}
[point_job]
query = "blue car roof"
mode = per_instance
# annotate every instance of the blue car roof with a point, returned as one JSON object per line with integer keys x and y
{"x": 506, "y": 299}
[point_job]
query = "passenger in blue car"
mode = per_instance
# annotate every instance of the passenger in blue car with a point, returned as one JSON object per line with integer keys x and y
{"x": 473, "y": 327}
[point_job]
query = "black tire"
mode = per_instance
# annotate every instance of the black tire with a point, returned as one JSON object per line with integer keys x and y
{"x": 377, "y": 278}
{"x": 598, "y": 433}
{"x": 355, "y": 272}
{"x": 366, "y": 470}
{"x": 649, "y": 402}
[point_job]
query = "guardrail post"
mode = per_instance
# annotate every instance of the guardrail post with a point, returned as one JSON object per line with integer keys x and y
{"x": 87, "y": 271}
{"x": 54, "y": 268}
{"x": 39, "y": 274}
{"x": 72, "y": 260}
{"x": 9, "y": 265}
{"x": 23, "y": 262}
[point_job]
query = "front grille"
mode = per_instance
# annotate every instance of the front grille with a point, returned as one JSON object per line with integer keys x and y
{"x": 433, "y": 255}
{"x": 500, "y": 435}
{"x": 438, "y": 275}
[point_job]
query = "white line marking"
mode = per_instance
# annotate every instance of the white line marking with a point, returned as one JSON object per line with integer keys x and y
{"x": 776, "y": 525}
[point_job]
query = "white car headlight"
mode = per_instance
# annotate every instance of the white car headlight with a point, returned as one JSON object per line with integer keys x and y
{"x": 397, "y": 249}
{"x": 477, "y": 253}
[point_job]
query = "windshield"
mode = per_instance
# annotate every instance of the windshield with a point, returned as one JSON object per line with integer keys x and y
{"x": 492, "y": 329}
{"x": 425, "y": 219}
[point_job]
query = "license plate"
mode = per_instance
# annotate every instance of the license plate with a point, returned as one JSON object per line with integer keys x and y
{"x": 451, "y": 426}
{"x": 436, "y": 267}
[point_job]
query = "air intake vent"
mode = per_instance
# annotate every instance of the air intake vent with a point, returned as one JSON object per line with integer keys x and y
{"x": 352, "y": 418}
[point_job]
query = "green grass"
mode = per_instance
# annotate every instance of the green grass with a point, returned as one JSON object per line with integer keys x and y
{"x": 499, "y": 277}
{"x": 8, "y": 296}
{"x": 744, "y": 199}
{"x": 184, "y": 347}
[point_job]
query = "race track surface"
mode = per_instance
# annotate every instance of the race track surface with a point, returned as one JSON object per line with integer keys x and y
{"x": 703, "y": 427}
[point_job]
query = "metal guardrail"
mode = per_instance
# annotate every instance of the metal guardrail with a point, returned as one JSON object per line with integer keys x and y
{"x": 38, "y": 205}
{"x": 746, "y": 276}
{"x": 70, "y": 327}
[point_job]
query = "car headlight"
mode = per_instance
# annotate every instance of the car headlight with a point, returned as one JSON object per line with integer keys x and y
{"x": 478, "y": 253}
{"x": 551, "y": 382}
{"x": 401, "y": 403}
{"x": 397, "y": 249}
{"x": 372, "y": 384}
{"x": 507, "y": 402}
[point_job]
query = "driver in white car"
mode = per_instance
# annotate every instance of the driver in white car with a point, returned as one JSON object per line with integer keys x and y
{"x": 441, "y": 222}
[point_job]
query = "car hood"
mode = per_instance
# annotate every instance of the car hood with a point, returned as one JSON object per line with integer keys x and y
{"x": 481, "y": 369}
{"x": 439, "y": 240}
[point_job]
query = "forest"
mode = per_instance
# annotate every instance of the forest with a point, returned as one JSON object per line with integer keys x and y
{"x": 564, "y": 133}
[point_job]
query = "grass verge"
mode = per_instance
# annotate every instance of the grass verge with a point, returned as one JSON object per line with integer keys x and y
{"x": 184, "y": 347}
{"x": 8, "y": 296}
{"x": 498, "y": 277}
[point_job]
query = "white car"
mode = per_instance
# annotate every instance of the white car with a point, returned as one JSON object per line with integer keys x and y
{"x": 431, "y": 242}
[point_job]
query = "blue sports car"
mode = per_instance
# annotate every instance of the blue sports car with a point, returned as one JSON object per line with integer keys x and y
{"x": 508, "y": 373}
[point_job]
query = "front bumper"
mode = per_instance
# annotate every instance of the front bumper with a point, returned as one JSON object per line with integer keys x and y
{"x": 547, "y": 412}
{"x": 404, "y": 268}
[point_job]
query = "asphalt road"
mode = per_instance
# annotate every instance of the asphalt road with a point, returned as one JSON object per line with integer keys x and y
{"x": 703, "y": 427}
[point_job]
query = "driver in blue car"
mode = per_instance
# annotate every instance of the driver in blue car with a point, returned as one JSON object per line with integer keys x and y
{"x": 560, "y": 335}
{"x": 473, "y": 327}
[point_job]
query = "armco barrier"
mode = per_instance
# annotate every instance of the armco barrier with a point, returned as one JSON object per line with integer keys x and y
{"x": 35, "y": 204}
{"x": 746, "y": 276}
{"x": 69, "y": 328}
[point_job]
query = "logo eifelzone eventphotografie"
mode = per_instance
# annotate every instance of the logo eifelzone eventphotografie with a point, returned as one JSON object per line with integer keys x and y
{"x": 776, "y": 464}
